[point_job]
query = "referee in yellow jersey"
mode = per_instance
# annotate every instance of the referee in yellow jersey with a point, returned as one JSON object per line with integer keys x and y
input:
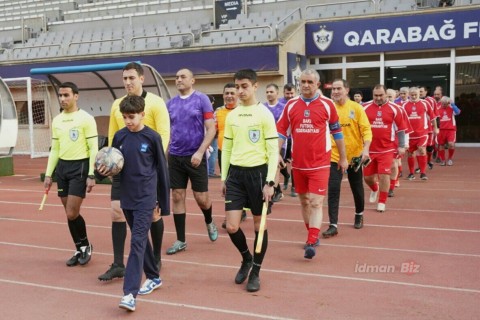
{"x": 157, "y": 118}
{"x": 74, "y": 147}
{"x": 249, "y": 163}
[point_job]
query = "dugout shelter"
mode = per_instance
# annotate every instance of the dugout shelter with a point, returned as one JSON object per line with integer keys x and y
{"x": 8, "y": 119}
{"x": 99, "y": 86}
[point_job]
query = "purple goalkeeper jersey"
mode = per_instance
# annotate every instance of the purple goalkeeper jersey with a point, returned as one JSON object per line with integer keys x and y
{"x": 276, "y": 109}
{"x": 187, "y": 117}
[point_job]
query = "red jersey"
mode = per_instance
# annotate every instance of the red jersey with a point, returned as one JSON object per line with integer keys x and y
{"x": 310, "y": 125}
{"x": 432, "y": 104}
{"x": 385, "y": 120}
{"x": 420, "y": 114}
{"x": 447, "y": 118}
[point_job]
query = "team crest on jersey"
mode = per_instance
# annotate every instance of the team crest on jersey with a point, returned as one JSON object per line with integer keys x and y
{"x": 144, "y": 147}
{"x": 74, "y": 134}
{"x": 322, "y": 38}
{"x": 414, "y": 108}
{"x": 254, "y": 135}
{"x": 306, "y": 113}
{"x": 379, "y": 114}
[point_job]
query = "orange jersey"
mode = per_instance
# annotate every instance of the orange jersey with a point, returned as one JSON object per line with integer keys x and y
{"x": 220, "y": 116}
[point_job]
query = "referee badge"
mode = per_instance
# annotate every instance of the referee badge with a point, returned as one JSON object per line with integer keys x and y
{"x": 254, "y": 135}
{"x": 74, "y": 134}
{"x": 352, "y": 114}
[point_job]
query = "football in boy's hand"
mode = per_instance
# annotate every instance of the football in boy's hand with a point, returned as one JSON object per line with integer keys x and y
{"x": 111, "y": 158}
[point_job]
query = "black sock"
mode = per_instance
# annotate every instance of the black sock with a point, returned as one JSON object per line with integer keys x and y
{"x": 258, "y": 257}
{"x": 239, "y": 240}
{"x": 74, "y": 234}
{"x": 179, "y": 219}
{"x": 156, "y": 230}
{"x": 80, "y": 227}
{"x": 284, "y": 172}
{"x": 207, "y": 214}
{"x": 119, "y": 234}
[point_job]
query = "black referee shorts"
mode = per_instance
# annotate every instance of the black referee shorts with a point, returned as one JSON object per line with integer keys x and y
{"x": 72, "y": 177}
{"x": 245, "y": 188}
{"x": 180, "y": 169}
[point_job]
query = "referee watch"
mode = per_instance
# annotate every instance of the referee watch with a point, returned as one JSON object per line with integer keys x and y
{"x": 270, "y": 183}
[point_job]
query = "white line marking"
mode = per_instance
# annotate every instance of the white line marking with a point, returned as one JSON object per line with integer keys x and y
{"x": 284, "y": 272}
{"x": 171, "y": 304}
{"x": 271, "y": 240}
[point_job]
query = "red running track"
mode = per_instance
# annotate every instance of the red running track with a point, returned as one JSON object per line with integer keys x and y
{"x": 418, "y": 260}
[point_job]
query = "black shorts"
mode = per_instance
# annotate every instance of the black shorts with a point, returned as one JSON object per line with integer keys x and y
{"x": 245, "y": 189}
{"x": 115, "y": 192}
{"x": 181, "y": 169}
{"x": 72, "y": 177}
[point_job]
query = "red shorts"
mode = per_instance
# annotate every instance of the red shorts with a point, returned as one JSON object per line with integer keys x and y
{"x": 416, "y": 143}
{"x": 381, "y": 163}
{"x": 446, "y": 136}
{"x": 311, "y": 181}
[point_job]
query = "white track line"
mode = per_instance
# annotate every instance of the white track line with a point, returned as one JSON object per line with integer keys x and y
{"x": 165, "y": 303}
{"x": 271, "y": 240}
{"x": 306, "y": 274}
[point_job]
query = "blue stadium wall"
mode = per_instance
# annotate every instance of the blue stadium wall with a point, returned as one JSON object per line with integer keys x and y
{"x": 219, "y": 61}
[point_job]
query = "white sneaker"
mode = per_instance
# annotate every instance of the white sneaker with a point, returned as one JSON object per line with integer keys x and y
{"x": 449, "y": 163}
{"x": 381, "y": 207}
{"x": 373, "y": 196}
{"x": 128, "y": 302}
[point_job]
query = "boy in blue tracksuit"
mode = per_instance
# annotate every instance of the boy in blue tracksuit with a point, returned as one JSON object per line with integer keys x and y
{"x": 144, "y": 185}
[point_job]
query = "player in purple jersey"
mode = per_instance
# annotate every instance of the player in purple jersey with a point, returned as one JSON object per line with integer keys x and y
{"x": 192, "y": 131}
{"x": 276, "y": 108}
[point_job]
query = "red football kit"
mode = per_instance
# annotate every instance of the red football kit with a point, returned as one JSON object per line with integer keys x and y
{"x": 310, "y": 123}
{"x": 385, "y": 121}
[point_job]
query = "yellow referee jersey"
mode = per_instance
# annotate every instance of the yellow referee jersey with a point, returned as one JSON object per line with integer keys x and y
{"x": 74, "y": 137}
{"x": 156, "y": 118}
{"x": 355, "y": 127}
{"x": 250, "y": 140}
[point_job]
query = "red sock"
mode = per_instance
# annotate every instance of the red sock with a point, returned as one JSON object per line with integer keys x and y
{"x": 411, "y": 164}
{"x": 382, "y": 197}
{"x": 312, "y": 235}
{"x": 422, "y": 163}
{"x": 441, "y": 154}
{"x": 307, "y": 226}
{"x": 374, "y": 188}
{"x": 392, "y": 184}
{"x": 450, "y": 153}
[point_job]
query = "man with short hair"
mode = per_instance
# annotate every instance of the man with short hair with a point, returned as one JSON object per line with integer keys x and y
{"x": 230, "y": 99}
{"x": 289, "y": 92}
{"x": 385, "y": 119}
{"x": 249, "y": 165}
{"x": 276, "y": 108}
{"x": 72, "y": 156}
{"x": 419, "y": 113}
{"x": 193, "y": 129}
{"x": 432, "y": 104}
{"x": 311, "y": 118}
{"x": 357, "y": 135}
{"x": 448, "y": 130}
{"x": 358, "y": 97}
{"x": 156, "y": 117}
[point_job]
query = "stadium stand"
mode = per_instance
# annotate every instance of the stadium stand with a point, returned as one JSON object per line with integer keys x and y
{"x": 46, "y": 29}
